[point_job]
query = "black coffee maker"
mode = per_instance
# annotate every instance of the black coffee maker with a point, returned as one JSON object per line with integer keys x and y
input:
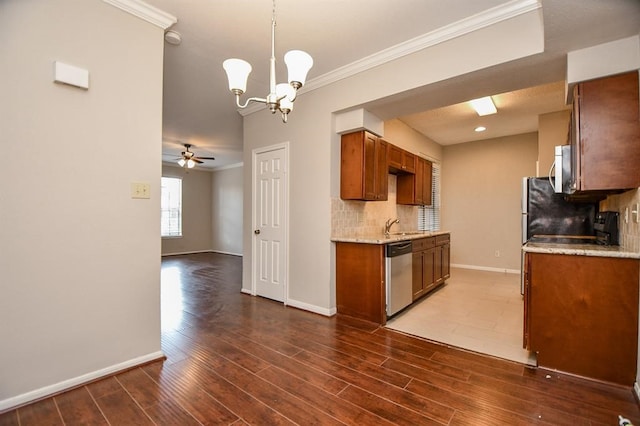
{"x": 606, "y": 228}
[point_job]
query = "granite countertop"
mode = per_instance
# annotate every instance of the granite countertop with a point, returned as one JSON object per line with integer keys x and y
{"x": 382, "y": 239}
{"x": 580, "y": 250}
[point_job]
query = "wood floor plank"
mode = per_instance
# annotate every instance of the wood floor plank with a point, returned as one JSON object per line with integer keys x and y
{"x": 170, "y": 413}
{"x": 42, "y": 412}
{"x": 186, "y": 391}
{"x": 214, "y": 344}
{"x": 467, "y": 407}
{"x": 549, "y": 401}
{"x": 119, "y": 408}
{"x": 386, "y": 409}
{"x": 231, "y": 396}
{"x": 78, "y": 407}
{"x": 299, "y": 335}
{"x": 142, "y": 388}
{"x": 9, "y": 419}
{"x": 322, "y": 380}
{"x": 337, "y": 407}
{"x": 399, "y": 395}
{"x": 346, "y": 369}
{"x": 278, "y": 399}
{"x": 104, "y": 387}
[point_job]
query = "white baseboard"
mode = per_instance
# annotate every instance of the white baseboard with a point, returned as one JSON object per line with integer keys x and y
{"x": 202, "y": 251}
{"x": 486, "y": 268}
{"x": 186, "y": 252}
{"x": 636, "y": 389}
{"x": 302, "y": 305}
{"x": 227, "y": 252}
{"x": 25, "y": 398}
{"x": 327, "y": 312}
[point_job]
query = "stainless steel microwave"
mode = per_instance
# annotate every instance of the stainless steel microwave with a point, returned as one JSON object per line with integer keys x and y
{"x": 563, "y": 181}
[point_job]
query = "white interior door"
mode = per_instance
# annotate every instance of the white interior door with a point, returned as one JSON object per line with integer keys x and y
{"x": 270, "y": 202}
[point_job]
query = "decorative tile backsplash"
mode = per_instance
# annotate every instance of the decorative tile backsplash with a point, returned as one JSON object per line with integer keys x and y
{"x": 365, "y": 218}
{"x": 629, "y": 230}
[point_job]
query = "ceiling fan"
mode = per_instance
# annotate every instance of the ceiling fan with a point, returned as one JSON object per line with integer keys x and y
{"x": 189, "y": 159}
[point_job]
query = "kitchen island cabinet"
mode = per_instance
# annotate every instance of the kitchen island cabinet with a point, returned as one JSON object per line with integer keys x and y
{"x": 360, "y": 281}
{"x": 363, "y": 168}
{"x": 581, "y": 314}
{"x": 361, "y": 271}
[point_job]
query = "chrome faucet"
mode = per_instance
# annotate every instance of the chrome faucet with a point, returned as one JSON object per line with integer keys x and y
{"x": 388, "y": 225}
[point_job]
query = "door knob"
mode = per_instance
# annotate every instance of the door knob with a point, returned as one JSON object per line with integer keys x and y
{"x": 257, "y": 231}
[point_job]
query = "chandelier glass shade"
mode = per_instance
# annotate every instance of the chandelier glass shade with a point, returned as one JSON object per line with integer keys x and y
{"x": 281, "y": 96}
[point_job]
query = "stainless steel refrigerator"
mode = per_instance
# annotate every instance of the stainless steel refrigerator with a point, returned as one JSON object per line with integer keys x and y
{"x": 548, "y": 217}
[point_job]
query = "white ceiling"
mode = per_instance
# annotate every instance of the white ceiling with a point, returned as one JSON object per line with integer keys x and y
{"x": 200, "y": 110}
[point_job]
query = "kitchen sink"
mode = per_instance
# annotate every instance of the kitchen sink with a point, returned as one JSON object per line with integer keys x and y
{"x": 396, "y": 234}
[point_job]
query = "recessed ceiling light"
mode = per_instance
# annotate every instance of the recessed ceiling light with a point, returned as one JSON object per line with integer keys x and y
{"x": 484, "y": 106}
{"x": 480, "y": 129}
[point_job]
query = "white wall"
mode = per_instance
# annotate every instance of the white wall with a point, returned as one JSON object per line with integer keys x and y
{"x": 79, "y": 258}
{"x": 196, "y": 211}
{"x": 314, "y": 159}
{"x": 481, "y": 196}
{"x": 399, "y": 134}
{"x": 553, "y": 130}
{"x": 226, "y": 207}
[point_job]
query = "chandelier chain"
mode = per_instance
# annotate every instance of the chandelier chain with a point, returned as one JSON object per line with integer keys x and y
{"x": 273, "y": 12}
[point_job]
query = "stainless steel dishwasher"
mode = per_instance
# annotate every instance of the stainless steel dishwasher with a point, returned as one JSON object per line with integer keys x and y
{"x": 398, "y": 258}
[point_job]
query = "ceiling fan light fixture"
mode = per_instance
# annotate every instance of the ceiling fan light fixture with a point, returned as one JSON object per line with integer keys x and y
{"x": 189, "y": 159}
{"x": 484, "y": 106}
{"x": 298, "y": 65}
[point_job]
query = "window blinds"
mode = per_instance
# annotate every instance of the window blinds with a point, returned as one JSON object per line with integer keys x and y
{"x": 171, "y": 207}
{"x": 429, "y": 216}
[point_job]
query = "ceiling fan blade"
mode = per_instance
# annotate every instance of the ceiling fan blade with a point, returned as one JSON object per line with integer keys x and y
{"x": 206, "y": 158}
{"x": 196, "y": 160}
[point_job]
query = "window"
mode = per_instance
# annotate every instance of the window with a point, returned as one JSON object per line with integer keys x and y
{"x": 429, "y": 216}
{"x": 171, "y": 207}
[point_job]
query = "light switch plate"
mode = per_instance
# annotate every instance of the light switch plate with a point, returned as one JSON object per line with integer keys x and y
{"x": 140, "y": 190}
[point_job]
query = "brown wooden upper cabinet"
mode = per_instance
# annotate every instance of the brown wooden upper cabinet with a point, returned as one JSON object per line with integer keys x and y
{"x": 401, "y": 161}
{"x": 364, "y": 170}
{"x": 605, "y": 134}
{"x": 416, "y": 189}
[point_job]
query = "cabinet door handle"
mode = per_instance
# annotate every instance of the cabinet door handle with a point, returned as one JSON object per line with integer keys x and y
{"x": 257, "y": 232}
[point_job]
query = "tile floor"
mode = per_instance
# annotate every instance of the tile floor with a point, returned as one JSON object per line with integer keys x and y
{"x": 476, "y": 310}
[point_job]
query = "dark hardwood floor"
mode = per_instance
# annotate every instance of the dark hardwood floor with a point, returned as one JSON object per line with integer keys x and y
{"x": 237, "y": 359}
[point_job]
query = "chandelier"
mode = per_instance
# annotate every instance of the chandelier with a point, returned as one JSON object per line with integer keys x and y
{"x": 281, "y": 96}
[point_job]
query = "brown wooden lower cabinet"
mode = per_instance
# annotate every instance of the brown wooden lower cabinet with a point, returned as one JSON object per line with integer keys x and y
{"x": 360, "y": 281}
{"x": 581, "y": 314}
{"x": 430, "y": 264}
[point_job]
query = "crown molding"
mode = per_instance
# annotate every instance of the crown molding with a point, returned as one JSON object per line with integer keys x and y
{"x": 145, "y": 11}
{"x": 464, "y": 26}
{"x": 456, "y": 29}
